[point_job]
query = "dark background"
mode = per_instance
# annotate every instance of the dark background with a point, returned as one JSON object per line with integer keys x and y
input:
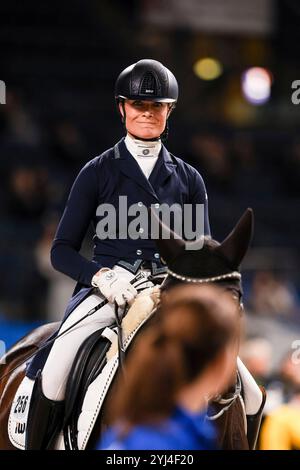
{"x": 60, "y": 60}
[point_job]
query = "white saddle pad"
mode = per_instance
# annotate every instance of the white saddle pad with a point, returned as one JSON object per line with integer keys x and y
{"x": 253, "y": 397}
{"x": 17, "y": 421}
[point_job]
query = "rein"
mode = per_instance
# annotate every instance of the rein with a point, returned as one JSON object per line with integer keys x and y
{"x": 227, "y": 401}
{"x": 121, "y": 350}
{"x": 138, "y": 281}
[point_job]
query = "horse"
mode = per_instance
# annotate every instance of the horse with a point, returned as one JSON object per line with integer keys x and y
{"x": 214, "y": 263}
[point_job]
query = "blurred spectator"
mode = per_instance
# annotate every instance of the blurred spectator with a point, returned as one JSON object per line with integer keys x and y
{"x": 256, "y": 354}
{"x": 251, "y": 181}
{"x": 290, "y": 376}
{"x": 17, "y": 123}
{"x": 67, "y": 147}
{"x": 67, "y": 154}
{"x": 22, "y": 292}
{"x": 27, "y": 196}
{"x": 209, "y": 153}
{"x": 271, "y": 295}
{"x": 60, "y": 287}
{"x": 281, "y": 428}
{"x": 291, "y": 169}
{"x": 188, "y": 355}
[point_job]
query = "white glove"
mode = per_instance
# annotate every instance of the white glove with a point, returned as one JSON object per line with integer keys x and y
{"x": 114, "y": 287}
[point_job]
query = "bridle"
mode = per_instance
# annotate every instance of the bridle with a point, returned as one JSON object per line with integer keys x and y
{"x": 232, "y": 275}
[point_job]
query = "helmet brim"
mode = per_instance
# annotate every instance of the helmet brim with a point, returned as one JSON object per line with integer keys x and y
{"x": 146, "y": 98}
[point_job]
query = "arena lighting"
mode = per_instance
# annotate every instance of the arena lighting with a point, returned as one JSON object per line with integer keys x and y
{"x": 256, "y": 85}
{"x": 208, "y": 68}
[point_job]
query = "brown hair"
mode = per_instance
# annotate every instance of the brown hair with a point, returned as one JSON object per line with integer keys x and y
{"x": 191, "y": 329}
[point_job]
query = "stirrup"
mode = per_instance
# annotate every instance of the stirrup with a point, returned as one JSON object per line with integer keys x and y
{"x": 45, "y": 418}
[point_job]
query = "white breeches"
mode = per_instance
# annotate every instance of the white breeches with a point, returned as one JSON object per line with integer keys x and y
{"x": 57, "y": 368}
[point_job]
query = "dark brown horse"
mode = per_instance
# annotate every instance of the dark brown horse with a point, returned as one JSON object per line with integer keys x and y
{"x": 12, "y": 371}
{"x": 215, "y": 262}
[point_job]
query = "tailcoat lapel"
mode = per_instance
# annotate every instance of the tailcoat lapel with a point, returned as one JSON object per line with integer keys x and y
{"x": 126, "y": 163}
{"x": 163, "y": 168}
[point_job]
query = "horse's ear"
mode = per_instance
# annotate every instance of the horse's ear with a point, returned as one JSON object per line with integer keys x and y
{"x": 168, "y": 243}
{"x": 236, "y": 244}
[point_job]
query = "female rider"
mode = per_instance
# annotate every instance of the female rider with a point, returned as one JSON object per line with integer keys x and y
{"x": 140, "y": 171}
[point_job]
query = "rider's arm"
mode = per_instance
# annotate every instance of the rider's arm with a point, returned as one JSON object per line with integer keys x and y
{"x": 79, "y": 211}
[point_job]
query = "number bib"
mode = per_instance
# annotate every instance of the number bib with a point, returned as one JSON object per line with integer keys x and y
{"x": 19, "y": 413}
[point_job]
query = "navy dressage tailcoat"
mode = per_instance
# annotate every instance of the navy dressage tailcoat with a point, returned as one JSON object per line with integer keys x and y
{"x": 102, "y": 180}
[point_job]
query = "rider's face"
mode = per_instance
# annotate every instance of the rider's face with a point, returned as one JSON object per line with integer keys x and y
{"x": 145, "y": 119}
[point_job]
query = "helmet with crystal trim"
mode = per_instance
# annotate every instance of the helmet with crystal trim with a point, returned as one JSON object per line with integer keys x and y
{"x": 147, "y": 79}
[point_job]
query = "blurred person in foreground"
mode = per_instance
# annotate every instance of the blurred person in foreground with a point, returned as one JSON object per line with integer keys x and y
{"x": 281, "y": 428}
{"x": 183, "y": 359}
{"x": 140, "y": 169}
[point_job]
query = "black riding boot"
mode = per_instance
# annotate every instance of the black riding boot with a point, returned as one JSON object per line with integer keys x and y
{"x": 45, "y": 418}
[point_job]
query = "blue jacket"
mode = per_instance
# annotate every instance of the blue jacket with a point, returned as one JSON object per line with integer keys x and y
{"x": 102, "y": 180}
{"x": 182, "y": 431}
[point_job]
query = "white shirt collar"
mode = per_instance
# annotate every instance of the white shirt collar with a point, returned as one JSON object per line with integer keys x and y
{"x": 142, "y": 148}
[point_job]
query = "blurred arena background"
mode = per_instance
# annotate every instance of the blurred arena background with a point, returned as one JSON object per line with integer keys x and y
{"x": 236, "y": 62}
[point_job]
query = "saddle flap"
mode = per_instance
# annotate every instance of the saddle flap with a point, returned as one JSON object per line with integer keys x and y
{"x": 84, "y": 369}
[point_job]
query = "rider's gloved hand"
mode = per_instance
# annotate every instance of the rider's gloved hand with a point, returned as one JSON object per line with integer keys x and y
{"x": 114, "y": 287}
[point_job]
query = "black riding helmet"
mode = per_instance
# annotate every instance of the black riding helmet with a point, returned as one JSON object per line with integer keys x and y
{"x": 147, "y": 79}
